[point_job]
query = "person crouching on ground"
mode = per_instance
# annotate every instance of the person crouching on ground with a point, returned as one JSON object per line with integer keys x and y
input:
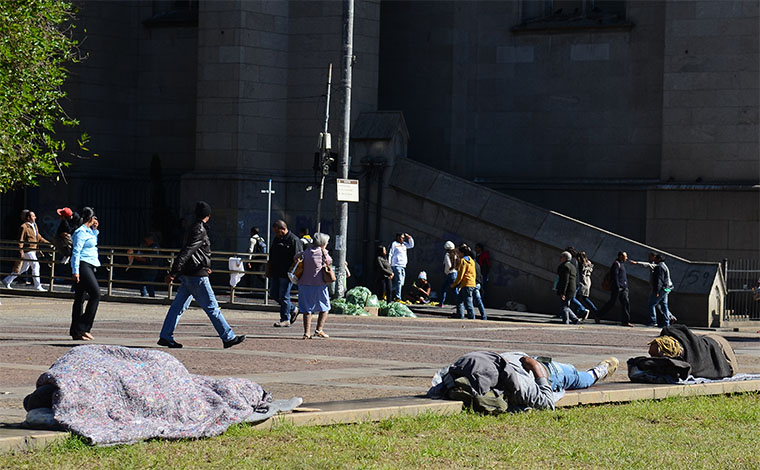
{"x": 465, "y": 281}
{"x": 420, "y": 292}
{"x": 192, "y": 266}
{"x": 313, "y": 296}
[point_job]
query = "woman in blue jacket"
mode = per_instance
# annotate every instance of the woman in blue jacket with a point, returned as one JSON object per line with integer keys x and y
{"x": 84, "y": 262}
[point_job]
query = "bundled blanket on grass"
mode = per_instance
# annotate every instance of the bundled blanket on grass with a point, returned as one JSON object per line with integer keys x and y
{"x": 118, "y": 395}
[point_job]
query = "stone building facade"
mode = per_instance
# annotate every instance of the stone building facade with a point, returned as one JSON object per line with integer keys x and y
{"x": 640, "y": 117}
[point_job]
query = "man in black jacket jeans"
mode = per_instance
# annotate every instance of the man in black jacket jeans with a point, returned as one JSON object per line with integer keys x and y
{"x": 192, "y": 266}
{"x": 281, "y": 253}
{"x": 619, "y": 279}
{"x": 566, "y": 286}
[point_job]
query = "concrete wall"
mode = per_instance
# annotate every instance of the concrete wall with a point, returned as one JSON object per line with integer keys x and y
{"x": 635, "y": 130}
{"x": 483, "y": 102}
{"x": 710, "y": 92}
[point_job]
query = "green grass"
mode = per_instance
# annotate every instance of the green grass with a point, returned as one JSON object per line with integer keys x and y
{"x": 678, "y": 433}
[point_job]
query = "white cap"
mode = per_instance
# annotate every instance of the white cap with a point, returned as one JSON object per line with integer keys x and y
{"x": 449, "y": 245}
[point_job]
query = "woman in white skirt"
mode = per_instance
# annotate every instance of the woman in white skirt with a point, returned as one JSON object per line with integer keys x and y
{"x": 312, "y": 289}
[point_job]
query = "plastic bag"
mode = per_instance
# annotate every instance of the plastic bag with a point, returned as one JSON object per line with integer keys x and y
{"x": 372, "y": 301}
{"x": 341, "y": 307}
{"x": 395, "y": 309}
{"x": 358, "y": 296}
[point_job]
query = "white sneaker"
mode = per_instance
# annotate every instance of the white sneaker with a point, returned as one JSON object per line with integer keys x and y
{"x": 40, "y": 288}
{"x": 7, "y": 286}
{"x": 605, "y": 368}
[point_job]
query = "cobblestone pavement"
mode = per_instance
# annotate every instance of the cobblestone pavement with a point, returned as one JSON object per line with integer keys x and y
{"x": 365, "y": 357}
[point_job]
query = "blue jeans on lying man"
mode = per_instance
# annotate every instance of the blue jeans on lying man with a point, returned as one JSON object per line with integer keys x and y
{"x": 197, "y": 287}
{"x": 567, "y": 377}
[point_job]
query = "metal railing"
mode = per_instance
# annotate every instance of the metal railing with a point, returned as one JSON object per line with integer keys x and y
{"x": 742, "y": 280}
{"x": 120, "y": 268}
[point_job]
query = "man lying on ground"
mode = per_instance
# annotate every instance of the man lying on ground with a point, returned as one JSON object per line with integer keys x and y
{"x": 494, "y": 383}
{"x": 679, "y": 353}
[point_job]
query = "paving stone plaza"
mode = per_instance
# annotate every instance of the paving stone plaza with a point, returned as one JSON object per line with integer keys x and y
{"x": 365, "y": 357}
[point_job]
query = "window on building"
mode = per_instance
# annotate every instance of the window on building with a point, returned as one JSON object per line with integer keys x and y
{"x": 174, "y": 13}
{"x": 572, "y": 14}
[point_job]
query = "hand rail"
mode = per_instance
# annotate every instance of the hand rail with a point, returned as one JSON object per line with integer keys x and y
{"x": 117, "y": 260}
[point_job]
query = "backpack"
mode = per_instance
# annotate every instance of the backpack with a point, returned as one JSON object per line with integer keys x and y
{"x": 488, "y": 404}
{"x": 260, "y": 246}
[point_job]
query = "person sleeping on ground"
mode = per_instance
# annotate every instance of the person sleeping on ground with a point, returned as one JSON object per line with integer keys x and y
{"x": 493, "y": 383}
{"x": 118, "y": 395}
{"x": 678, "y": 353}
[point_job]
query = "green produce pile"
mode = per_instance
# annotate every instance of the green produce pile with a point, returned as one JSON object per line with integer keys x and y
{"x": 395, "y": 309}
{"x": 341, "y": 307}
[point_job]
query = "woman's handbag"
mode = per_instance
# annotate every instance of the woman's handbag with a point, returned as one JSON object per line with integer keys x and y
{"x": 328, "y": 275}
{"x": 296, "y": 271}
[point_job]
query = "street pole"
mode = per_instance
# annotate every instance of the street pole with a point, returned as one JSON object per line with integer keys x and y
{"x": 324, "y": 152}
{"x": 341, "y": 244}
{"x": 269, "y": 193}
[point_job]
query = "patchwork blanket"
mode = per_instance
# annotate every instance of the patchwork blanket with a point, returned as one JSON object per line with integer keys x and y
{"x": 118, "y": 395}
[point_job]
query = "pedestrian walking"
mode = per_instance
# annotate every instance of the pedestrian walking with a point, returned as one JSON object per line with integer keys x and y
{"x": 465, "y": 281}
{"x": 84, "y": 264}
{"x": 29, "y": 237}
{"x": 283, "y": 250}
{"x": 659, "y": 276}
{"x": 566, "y": 286}
{"x": 62, "y": 241}
{"x": 399, "y": 259}
{"x": 618, "y": 278}
{"x": 313, "y": 296}
{"x": 192, "y": 267}
{"x": 581, "y": 299}
{"x": 450, "y": 263}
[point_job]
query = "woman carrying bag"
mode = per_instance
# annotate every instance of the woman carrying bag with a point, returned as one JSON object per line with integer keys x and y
{"x": 312, "y": 285}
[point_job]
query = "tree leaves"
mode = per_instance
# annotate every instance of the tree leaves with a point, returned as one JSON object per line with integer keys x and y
{"x": 35, "y": 45}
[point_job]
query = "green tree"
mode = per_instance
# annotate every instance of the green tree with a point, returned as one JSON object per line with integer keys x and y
{"x": 36, "y": 43}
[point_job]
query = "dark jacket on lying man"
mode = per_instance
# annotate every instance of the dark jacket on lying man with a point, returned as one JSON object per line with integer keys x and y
{"x": 707, "y": 356}
{"x": 710, "y": 356}
{"x": 502, "y": 374}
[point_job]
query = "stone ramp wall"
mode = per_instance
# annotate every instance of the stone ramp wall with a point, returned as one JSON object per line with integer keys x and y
{"x": 525, "y": 242}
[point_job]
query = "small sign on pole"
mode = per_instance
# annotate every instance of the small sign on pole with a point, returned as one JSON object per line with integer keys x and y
{"x": 348, "y": 190}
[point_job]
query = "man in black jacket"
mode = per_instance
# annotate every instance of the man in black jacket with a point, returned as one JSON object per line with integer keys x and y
{"x": 192, "y": 266}
{"x": 619, "y": 279}
{"x": 281, "y": 253}
{"x": 566, "y": 286}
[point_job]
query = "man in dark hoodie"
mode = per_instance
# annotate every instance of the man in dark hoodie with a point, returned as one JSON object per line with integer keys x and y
{"x": 192, "y": 266}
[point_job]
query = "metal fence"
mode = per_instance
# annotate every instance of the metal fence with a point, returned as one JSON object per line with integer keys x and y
{"x": 742, "y": 289}
{"x": 125, "y": 270}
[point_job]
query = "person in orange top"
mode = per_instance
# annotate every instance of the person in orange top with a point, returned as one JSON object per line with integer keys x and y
{"x": 465, "y": 282}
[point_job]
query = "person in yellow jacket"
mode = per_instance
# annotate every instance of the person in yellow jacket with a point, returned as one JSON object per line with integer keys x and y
{"x": 465, "y": 281}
